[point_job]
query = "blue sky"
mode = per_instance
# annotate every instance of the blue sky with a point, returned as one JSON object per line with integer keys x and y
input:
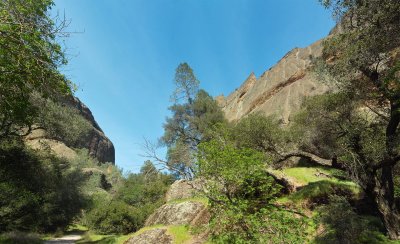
{"x": 124, "y": 56}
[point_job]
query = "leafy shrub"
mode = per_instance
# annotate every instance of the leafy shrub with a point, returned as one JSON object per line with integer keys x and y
{"x": 20, "y": 238}
{"x": 39, "y": 192}
{"x": 242, "y": 197}
{"x": 343, "y": 225}
{"x": 113, "y": 217}
{"x": 145, "y": 191}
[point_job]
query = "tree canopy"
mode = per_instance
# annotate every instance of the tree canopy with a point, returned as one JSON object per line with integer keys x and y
{"x": 30, "y": 55}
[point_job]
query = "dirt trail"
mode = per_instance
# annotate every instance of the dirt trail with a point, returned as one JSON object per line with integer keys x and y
{"x": 68, "y": 239}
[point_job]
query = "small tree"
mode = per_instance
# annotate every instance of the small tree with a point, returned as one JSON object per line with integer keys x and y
{"x": 194, "y": 112}
{"x": 186, "y": 84}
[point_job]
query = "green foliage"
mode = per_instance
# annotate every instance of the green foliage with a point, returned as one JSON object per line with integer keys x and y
{"x": 20, "y": 238}
{"x": 263, "y": 134}
{"x": 137, "y": 197}
{"x": 206, "y": 114}
{"x": 62, "y": 121}
{"x": 343, "y": 225}
{"x": 370, "y": 31}
{"x": 242, "y": 196}
{"x": 180, "y": 233}
{"x": 94, "y": 172}
{"x": 29, "y": 58}
{"x": 113, "y": 217}
{"x": 104, "y": 184}
{"x": 336, "y": 127}
{"x": 39, "y": 191}
{"x": 317, "y": 193}
{"x": 127, "y": 203}
{"x": 191, "y": 119}
{"x": 145, "y": 191}
{"x": 186, "y": 84}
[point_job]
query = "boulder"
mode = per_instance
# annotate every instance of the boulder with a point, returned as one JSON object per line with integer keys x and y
{"x": 182, "y": 189}
{"x": 183, "y": 213}
{"x": 153, "y": 236}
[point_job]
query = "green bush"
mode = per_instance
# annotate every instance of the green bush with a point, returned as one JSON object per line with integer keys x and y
{"x": 39, "y": 192}
{"x": 20, "y": 238}
{"x": 145, "y": 191}
{"x": 113, "y": 217}
{"x": 242, "y": 197}
{"x": 343, "y": 225}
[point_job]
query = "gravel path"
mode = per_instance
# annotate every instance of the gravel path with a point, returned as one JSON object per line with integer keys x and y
{"x": 68, "y": 239}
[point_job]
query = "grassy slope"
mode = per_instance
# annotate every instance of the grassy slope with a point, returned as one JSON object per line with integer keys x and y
{"x": 314, "y": 182}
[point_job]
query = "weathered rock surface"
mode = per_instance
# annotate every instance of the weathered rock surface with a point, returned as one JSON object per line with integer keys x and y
{"x": 98, "y": 145}
{"x": 153, "y": 236}
{"x": 280, "y": 90}
{"x": 176, "y": 214}
{"x": 182, "y": 189}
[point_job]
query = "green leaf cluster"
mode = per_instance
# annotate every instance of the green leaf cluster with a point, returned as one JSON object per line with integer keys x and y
{"x": 30, "y": 56}
{"x": 39, "y": 191}
{"x": 242, "y": 196}
{"x": 190, "y": 123}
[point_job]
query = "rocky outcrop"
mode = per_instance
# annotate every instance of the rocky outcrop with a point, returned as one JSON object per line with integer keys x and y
{"x": 97, "y": 144}
{"x": 182, "y": 189}
{"x": 157, "y": 235}
{"x": 181, "y": 209}
{"x": 280, "y": 91}
{"x": 184, "y": 213}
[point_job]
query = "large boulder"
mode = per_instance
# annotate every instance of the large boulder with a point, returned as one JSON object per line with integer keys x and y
{"x": 184, "y": 213}
{"x": 182, "y": 189}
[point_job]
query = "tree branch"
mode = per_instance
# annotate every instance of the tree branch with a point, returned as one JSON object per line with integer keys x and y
{"x": 309, "y": 156}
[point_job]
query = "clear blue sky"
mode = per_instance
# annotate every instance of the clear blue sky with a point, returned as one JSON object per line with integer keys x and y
{"x": 125, "y": 59}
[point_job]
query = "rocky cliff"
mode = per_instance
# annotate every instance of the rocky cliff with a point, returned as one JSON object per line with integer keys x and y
{"x": 98, "y": 144}
{"x": 280, "y": 90}
{"x": 95, "y": 141}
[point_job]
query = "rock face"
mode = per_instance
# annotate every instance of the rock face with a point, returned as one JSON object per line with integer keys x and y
{"x": 177, "y": 214}
{"x": 98, "y": 145}
{"x": 158, "y": 235}
{"x": 280, "y": 90}
{"x": 186, "y": 211}
{"x": 37, "y": 140}
{"x": 181, "y": 189}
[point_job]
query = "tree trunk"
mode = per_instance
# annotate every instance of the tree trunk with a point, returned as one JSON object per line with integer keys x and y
{"x": 384, "y": 198}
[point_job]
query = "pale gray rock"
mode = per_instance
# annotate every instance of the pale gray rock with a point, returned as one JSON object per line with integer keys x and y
{"x": 176, "y": 213}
